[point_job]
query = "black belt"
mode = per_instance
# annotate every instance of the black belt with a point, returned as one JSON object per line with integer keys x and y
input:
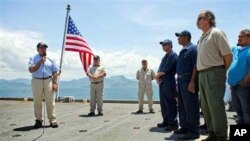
{"x": 184, "y": 74}
{"x": 43, "y": 78}
{"x": 96, "y": 82}
{"x": 222, "y": 66}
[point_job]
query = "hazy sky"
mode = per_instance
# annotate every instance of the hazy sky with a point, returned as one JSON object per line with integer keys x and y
{"x": 122, "y": 32}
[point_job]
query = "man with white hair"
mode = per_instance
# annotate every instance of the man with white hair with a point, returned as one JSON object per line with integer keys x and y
{"x": 145, "y": 77}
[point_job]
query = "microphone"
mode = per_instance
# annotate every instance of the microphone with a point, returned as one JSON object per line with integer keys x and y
{"x": 43, "y": 55}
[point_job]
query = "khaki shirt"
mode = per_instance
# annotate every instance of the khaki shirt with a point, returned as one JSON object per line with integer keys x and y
{"x": 96, "y": 70}
{"x": 212, "y": 46}
{"x": 145, "y": 77}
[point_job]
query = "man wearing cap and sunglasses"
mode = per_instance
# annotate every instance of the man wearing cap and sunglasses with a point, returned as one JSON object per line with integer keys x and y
{"x": 96, "y": 75}
{"x": 165, "y": 77}
{"x": 44, "y": 84}
{"x": 213, "y": 60}
{"x": 188, "y": 104}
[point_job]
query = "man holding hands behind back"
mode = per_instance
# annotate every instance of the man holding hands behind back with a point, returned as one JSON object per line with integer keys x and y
{"x": 145, "y": 77}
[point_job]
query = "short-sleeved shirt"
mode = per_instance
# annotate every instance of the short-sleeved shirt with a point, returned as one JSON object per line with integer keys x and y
{"x": 240, "y": 65}
{"x": 97, "y": 70}
{"x": 168, "y": 66}
{"x": 187, "y": 59}
{"x": 145, "y": 76}
{"x": 45, "y": 70}
{"x": 212, "y": 46}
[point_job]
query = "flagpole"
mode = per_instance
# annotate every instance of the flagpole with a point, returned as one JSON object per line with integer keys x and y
{"x": 62, "y": 52}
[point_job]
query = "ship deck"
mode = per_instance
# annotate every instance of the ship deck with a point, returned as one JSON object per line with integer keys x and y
{"x": 119, "y": 123}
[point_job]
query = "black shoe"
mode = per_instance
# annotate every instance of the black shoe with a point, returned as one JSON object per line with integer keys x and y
{"x": 170, "y": 128}
{"x": 38, "y": 124}
{"x": 152, "y": 111}
{"x": 139, "y": 112}
{"x": 210, "y": 138}
{"x": 204, "y": 126}
{"x": 91, "y": 114}
{"x": 100, "y": 114}
{"x": 161, "y": 125}
{"x": 189, "y": 137}
{"x": 180, "y": 131}
{"x": 53, "y": 125}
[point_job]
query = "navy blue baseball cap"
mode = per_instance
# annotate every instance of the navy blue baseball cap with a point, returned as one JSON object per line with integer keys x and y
{"x": 41, "y": 44}
{"x": 96, "y": 57}
{"x": 184, "y": 33}
{"x": 166, "y": 42}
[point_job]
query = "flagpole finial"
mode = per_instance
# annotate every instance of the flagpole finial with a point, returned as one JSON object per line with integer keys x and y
{"x": 68, "y": 7}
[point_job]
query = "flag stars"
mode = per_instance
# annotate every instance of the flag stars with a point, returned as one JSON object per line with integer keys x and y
{"x": 72, "y": 29}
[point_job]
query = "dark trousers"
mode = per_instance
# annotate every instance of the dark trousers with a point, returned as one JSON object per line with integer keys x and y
{"x": 168, "y": 104}
{"x": 188, "y": 106}
{"x": 241, "y": 102}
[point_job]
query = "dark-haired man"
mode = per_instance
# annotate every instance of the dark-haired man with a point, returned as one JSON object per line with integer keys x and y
{"x": 188, "y": 104}
{"x": 239, "y": 78}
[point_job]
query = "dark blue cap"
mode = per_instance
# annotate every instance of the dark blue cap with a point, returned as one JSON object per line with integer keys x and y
{"x": 96, "y": 57}
{"x": 184, "y": 33}
{"x": 166, "y": 42}
{"x": 41, "y": 44}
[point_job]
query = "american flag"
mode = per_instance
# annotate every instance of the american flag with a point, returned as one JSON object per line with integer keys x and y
{"x": 75, "y": 42}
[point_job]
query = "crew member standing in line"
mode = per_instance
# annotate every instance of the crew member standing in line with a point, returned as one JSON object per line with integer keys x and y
{"x": 145, "y": 77}
{"x": 239, "y": 78}
{"x": 214, "y": 58}
{"x": 188, "y": 103}
{"x": 165, "y": 77}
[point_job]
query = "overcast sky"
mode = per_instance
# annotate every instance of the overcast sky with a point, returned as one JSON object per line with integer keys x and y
{"x": 122, "y": 32}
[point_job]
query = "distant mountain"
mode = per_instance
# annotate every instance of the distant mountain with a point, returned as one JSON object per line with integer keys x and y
{"x": 14, "y": 84}
{"x": 75, "y": 83}
{"x": 113, "y": 81}
{"x": 119, "y": 81}
{"x": 21, "y": 81}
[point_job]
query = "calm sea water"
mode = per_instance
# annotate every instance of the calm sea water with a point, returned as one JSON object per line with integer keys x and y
{"x": 82, "y": 93}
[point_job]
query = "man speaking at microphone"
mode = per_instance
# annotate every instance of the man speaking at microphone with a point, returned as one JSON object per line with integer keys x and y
{"x": 44, "y": 84}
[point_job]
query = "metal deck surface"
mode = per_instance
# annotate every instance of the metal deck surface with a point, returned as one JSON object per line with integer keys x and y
{"x": 118, "y": 123}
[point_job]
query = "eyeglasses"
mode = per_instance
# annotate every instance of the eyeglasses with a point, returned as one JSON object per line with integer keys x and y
{"x": 200, "y": 18}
